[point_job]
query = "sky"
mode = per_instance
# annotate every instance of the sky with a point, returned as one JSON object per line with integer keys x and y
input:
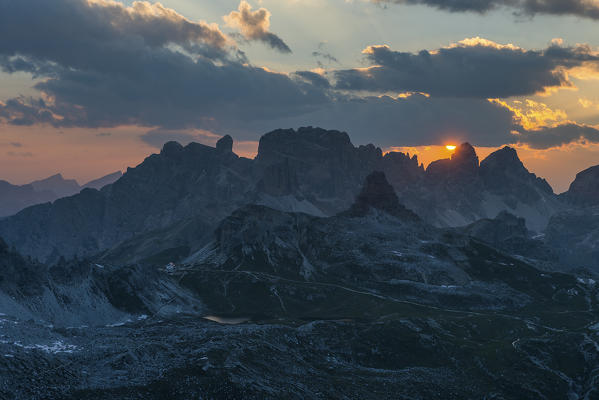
{"x": 88, "y": 87}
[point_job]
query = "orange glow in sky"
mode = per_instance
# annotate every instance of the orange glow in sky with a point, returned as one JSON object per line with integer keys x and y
{"x": 451, "y": 147}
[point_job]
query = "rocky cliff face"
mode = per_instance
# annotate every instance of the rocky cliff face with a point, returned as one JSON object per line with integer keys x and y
{"x": 179, "y": 183}
{"x": 574, "y": 236}
{"x": 310, "y": 170}
{"x": 584, "y": 191}
{"x": 363, "y": 304}
{"x": 459, "y": 191}
{"x": 324, "y": 167}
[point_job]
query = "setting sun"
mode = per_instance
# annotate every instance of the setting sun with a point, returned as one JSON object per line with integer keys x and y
{"x": 450, "y": 147}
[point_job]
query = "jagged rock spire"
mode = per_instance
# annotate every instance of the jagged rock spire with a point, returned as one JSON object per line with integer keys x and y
{"x": 378, "y": 194}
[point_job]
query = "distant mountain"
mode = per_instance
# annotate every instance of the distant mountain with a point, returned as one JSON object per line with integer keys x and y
{"x": 14, "y": 198}
{"x": 184, "y": 190}
{"x": 58, "y": 185}
{"x": 104, "y": 181}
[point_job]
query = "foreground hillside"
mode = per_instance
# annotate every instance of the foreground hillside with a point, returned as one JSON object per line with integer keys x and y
{"x": 369, "y": 303}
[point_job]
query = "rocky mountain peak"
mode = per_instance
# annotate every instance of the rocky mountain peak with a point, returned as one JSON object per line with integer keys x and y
{"x": 505, "y": 158}
{"x": 378, "y": 194}
{"x": 504, "y": 171}
{"x": 225, "y": 144}
{"x": 463, "y": 164}
{"x": 306, "y": 144}
{"x": 171, "y": 149}
{"x": 584, "y": 191}
{"x": 465, "y": 155}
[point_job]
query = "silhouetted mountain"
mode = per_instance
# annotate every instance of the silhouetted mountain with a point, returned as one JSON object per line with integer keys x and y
{"x": 584, "y": 191}
{"x": 316, "y": 168}
{"x": 14, "y": 198}
{"x": 459, "y": 191}
{"x": 103, "y": 181}
{"x": 378, "y": 194}
{"x": 311, "y": 170}
{"x": 58, "y": 185}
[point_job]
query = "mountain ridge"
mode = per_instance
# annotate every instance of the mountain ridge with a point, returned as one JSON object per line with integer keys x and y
{"x": 309, "y": 170}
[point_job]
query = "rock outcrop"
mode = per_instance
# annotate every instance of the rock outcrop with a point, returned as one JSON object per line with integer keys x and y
{"x": 459, "y": 191}
{"x": 378, "y": 194}
{"x": 310, "y": 170}
{"x": 584, "y": 191}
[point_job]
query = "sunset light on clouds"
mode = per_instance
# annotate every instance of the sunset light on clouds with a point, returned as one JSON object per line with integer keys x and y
{"x": 484, "y": 76}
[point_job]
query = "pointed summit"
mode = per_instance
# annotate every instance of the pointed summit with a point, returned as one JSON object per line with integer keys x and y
{"x": 503, "y": 171}
{"x": 378, "y": 194}
{"x": 506, "y": 157}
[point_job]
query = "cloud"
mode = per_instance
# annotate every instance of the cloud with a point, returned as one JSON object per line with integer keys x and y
{"x": 314, "y": 78}
{"x": 555, "y": 136}
{"x": 321, "y": 54}
{"x": 475, "y": 67}
{"x": 109, "y": 68}
{"x": 418, "y": 120}
{"x": 255, "y": 25}
{"x": 580, "y": 8}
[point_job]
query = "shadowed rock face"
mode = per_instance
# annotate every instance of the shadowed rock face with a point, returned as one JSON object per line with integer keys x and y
{"x": 459, "y": 191}
{"x": 584, "y": 191}
{"x": 310, "y": 170}
{"x": 504, "y": 174}
{"x": 225, "y": 144}
{"x": 461, "y": 167}
{"x": 378, "y": 194}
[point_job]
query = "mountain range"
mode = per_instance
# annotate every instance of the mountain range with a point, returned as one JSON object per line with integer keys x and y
{"x": 173, "y": 200}
{"x": 14, "y": 198}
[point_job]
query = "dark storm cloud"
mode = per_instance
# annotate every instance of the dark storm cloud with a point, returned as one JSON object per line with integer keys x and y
{"x": 255, "y": 25}
{"x": 418, "y": 120}
{"x": 106, "y": 66}
{"x": 580, "y": 8}
{"x": 412, "y": 121}
{"x": 472, "y": 68}
{"x": 567, "y": 133}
